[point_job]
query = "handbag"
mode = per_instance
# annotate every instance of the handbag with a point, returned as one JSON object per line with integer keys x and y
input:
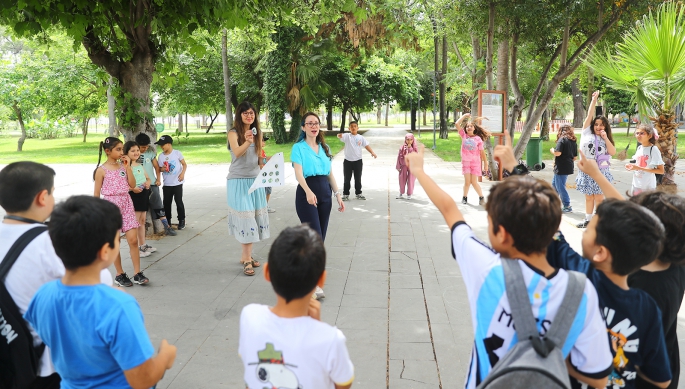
{"x": 603, "y": 160}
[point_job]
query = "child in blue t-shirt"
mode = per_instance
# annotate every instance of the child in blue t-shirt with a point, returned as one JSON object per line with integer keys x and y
{"x": 95, "y": 333}
{"x": 620, "y": 239}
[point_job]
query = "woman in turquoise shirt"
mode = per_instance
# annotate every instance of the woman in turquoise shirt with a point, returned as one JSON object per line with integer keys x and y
{"x": 312, "y": 162}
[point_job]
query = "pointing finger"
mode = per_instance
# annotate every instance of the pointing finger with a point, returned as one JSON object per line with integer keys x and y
{"x": 507, "y": 139}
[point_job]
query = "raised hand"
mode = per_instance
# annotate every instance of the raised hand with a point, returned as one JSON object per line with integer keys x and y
{"x": 504, "y": 154}
{"x": 415, "y": 160}
{"x": 588, "y": 166}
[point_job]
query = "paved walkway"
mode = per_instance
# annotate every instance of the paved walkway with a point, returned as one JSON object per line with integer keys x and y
{"x": 393, "y": 287}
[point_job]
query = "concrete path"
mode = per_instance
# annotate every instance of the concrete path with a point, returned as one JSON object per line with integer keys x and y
{"x": 393, "y": 287}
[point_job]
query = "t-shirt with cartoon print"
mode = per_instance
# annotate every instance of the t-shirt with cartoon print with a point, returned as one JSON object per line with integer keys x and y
{"x": 291, "y": 353}
{"x": 471, "y": 146}
{"x": 171, "y": 167}
{"x": 493, "y": 325}
{"x": 592, "y": 145}
{"x": 648, "y": 157}
{"x": 632, "y": 319}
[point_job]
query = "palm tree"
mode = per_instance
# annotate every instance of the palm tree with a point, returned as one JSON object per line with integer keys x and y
{"x": 650, "y": 63}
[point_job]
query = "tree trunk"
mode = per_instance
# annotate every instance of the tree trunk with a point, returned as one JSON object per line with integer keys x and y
{"x": 187, "y": 122}
{"x": 503, "y": 63}
{"x": 180, "y": 122}
{"x": 405, "y": 117}
{"x": 379, "y": 114}
{"x": 628, "y": 129}
{"x": 424, "y": 117}
{"x": 329, "y": 115}
{"x": 227, "y": 81}
{"x": 212, "y": 119}
{"x": 667, "y": 127}
{"x": 491, "y": 37}
{"x": 443, "y": 91}
{"x": 135, "y": 78}
{"x": 412, "y": 119}
{"x": 342, "y": 118}
{"x": 578, "y": 107}
{"x": 111, "y": 109}
{"x": 387, "y": 111}
{"x": 20, "y": 120}
{"x": 519, "y": 100}
{"x": 295, "y": 127}
{"x": 544, "y": 128}
{"x": 84, "y": 128}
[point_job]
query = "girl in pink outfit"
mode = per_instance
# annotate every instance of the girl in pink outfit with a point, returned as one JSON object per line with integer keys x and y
{"x": 473, "y": 161}
{"x": 406, "y": 178}
{"x": 113, "y": 180}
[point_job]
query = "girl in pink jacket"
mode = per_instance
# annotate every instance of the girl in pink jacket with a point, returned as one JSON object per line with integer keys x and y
{"x": 406, "y": 178}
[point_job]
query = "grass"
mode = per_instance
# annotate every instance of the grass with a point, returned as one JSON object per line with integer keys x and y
{"x": 200, "y": 148}
{"x": 449, "y": 149}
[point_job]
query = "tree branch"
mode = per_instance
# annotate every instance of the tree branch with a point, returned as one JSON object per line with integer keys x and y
{"x": 543, "y": 79}
{"x": 456, "y": 49}
{"x": 99, "y": 55}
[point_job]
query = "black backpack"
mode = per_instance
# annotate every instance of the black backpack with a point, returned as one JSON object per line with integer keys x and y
{"x": 19, "y": 359}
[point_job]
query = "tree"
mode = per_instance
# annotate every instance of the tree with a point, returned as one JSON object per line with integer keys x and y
{"x": 129, "y": 39}
{"x": 618, "y": 101}
{"x": 650, "y": 64}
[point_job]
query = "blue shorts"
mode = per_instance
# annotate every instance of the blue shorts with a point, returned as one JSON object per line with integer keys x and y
{"x": 267, "y": 189}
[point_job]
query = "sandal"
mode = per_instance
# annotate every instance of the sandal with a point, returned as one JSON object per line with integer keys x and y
{"x": 248, "y": 271}
{"x": 255, "y": 263}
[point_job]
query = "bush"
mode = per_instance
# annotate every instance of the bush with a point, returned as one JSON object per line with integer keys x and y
{"x": 51, "y": 129}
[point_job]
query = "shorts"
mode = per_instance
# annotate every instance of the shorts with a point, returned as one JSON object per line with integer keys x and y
{"x": 141, "y": 201}
{"x": 267, "y": 189}
{"x": 471, "y": 167}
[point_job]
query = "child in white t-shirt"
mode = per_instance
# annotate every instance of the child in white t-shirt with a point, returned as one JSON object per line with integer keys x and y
{"x": 352, "y": 165}
{"x": 647, "y": 161}
{"x": 287, "y": 346}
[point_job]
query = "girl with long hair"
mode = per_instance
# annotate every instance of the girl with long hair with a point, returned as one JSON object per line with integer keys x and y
{"x": 565, "y": 153}
{"x": 248, "y": 218}
{"x": 473, "y": 161}
{"x": 596, "y": 142}
{"x": 647, "y": 161}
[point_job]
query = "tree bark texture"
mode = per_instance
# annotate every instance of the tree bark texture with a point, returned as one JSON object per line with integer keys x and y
{"x": 379, "y": 114}
{"x": 491, "y": 38}
{"x": 667, "y": 128}
{"x": 578, "y": 107}
{"x": 84, "y": 128}
{"x": 227, "y": 81}
{"x": 519, "y": 100}
{"x": 180, "y": 122}
{"x": 110, "y": 109}
{"x": 387, "y": 112}
{"x": 20, "y": 120}
{"x": 329, "y": 115}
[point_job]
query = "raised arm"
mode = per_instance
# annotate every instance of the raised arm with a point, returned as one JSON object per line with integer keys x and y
{"x": 233, "y": 142}
{"x": 442, "y": 200}
{"x": 461, "y": 119}
{"x": 591, "y": 110}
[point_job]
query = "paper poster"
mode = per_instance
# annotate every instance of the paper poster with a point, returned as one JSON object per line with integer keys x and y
{"x": 272, "y": 174}
{"x": 492, "y": 111}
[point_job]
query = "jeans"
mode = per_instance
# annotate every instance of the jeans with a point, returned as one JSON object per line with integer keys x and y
{"x": 559, "y": 184}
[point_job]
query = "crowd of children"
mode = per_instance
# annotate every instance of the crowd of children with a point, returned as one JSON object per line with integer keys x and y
{"x": 622, "y": 334}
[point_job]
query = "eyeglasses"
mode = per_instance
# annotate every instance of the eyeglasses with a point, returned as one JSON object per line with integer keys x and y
{"x": 640, "y": 133}
{"x": 248, "y": 113}
{"x": 312, "y": 124}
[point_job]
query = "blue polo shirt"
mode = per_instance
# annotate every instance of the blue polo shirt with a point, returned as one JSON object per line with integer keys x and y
{"x": 312, "y": 164}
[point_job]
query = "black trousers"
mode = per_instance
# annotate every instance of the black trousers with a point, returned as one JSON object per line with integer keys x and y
{"x": 317, "y": 217}
{"x": 49, "y": 382}
{"x": 349, "y": 168}
{"x": 174, "y": 193}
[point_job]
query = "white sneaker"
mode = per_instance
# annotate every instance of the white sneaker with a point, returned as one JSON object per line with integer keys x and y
{"x": 149, "y": 248}
{"x": 143, "y": 252}
{"x": 408, "y": 197}
{"x": 401, "y": 196}
{"x": 270, "y": 210}
{"x": 319, "y": 294}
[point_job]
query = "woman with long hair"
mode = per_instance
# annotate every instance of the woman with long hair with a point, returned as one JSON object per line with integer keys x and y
{"x": 596, "y": 143}
{"x": 311, "y": 159}
{"x": 248, "y": 218}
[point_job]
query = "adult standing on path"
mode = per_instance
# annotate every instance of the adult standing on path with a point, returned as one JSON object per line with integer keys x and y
{"x": 248, "y": 218}
{"x": 596, "y": 143}
{"x": 311, "y": 159}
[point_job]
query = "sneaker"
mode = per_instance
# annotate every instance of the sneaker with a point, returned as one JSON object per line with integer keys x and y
{"x": 123, "y": 280}
{"x": 140, "y": 279}
{"x": 408, "y": 197}
{"x": 144, "y": 253}
{"x": 401, "y": 196}
{"x": 361, "y": 197}
{"x": 150, "y": 248}
{"x": 181, "y": 224}
{"x": 567, "y": 209}
{"x": 345, "y": 198}
{"x": 319, "y": 293}
{"x": 481, "y": 201}
{"x": 270, "y": 210}
{"x": 464, "y": 200}
{"x": 170, "y": 231}
{"x": 583, "y": 224}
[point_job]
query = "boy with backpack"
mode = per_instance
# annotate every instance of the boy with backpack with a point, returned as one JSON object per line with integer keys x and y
{"x": 287, "y": 345}
{"x": 521, "y": 200}
{"x": 96, "y": 333}
{"x": 620, "y": 239}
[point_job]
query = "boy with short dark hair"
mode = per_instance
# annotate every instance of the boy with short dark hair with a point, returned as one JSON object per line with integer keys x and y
{"x": 620, "y": 239}
{"x": 287, "y": 346}
{"x": 148, "y": 158}
{"x": 173, "y": 168}
{"x": 96, "y": 333}
{"x": 518, "y": 201}
{"x": 353, "y": 164}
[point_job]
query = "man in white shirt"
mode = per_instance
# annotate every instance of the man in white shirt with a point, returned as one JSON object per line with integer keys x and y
{"x": 354, "y": 143}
